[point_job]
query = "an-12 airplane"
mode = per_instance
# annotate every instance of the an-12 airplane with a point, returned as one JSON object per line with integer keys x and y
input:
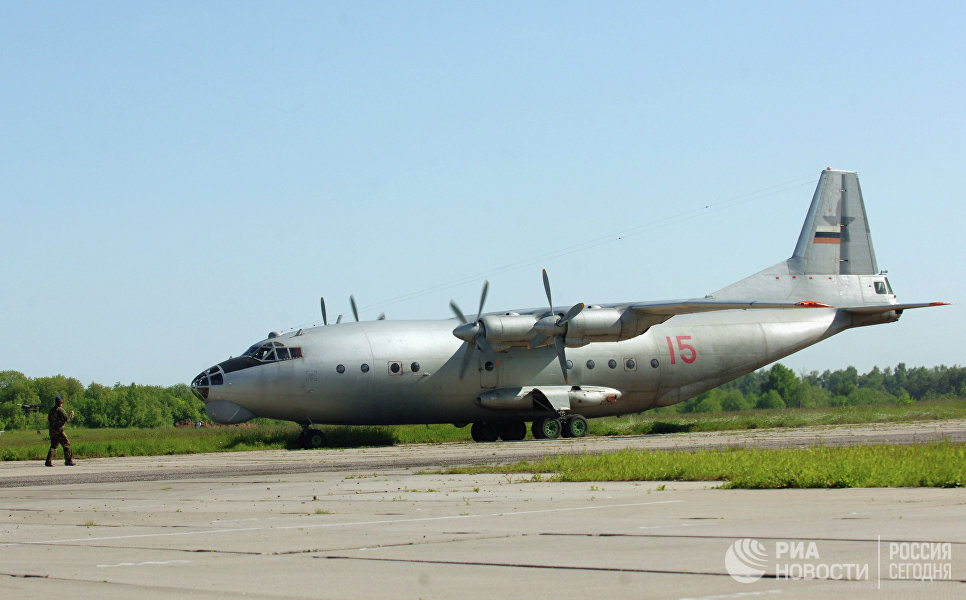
{"x": 557, "y": 366}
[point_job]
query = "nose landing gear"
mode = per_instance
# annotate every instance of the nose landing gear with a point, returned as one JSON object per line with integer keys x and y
{"x": 311, "y": 438}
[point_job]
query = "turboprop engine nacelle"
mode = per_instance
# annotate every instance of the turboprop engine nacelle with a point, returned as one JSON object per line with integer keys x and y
{"x": 593, "y": 324}
{"x": 509, "y": 329}
{"x": 596, "y": 324}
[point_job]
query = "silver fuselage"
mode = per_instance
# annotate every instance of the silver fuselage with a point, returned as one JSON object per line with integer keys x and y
{"x": 708, "y": 349}
{"x": 591, "y": 360}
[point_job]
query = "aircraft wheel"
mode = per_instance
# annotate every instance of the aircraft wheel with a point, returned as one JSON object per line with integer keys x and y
{"x": 548, "y": 427}
{"x": 513, "y": 431}
{"x": 312, "y": 439}
{"x": 575, "y": 426}
{"x": 484, "y": 432}
{"x": 535, "y": 430}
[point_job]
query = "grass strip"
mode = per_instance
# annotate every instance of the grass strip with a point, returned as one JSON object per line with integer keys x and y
{"x": 98, "y": 443}
{"x": 93, "y": 443}
{"x": 940, "y": 464}
{"x": 664, "y": 422}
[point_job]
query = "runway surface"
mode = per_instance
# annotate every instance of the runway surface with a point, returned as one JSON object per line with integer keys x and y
{"x": 364, "y": 523}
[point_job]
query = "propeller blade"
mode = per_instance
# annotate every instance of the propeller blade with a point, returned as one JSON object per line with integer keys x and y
{"x": 325, "y": 321}
{"x": 486, "y": 348}
{"x": 486, "y": 288}
{"x": 339, "y": 320}
{"x": 546, "y": 286}
{"x": 467, "y": 354}
{"x": 537, "y": 341}
{"x": 355, "y": 310}
{"x": 573, "y": 312}
{"x": 558, "y": 343}
{"x": 458, "y": 312}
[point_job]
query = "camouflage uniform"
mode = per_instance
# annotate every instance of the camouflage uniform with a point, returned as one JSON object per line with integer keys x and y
{"x": 57, "y": 418}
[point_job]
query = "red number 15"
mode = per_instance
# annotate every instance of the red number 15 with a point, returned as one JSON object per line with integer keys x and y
{"x": 686, "y": 351}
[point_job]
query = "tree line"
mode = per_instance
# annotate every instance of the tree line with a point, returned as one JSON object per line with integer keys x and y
{"x": 24, "y": 401}
{"x": 780, "y": 387}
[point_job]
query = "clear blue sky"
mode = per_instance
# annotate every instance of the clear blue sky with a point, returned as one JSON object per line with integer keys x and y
{"x": 180, "y": 178}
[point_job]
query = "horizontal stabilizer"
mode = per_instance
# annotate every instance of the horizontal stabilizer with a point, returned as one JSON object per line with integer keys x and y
{"x": 871, "y": 310}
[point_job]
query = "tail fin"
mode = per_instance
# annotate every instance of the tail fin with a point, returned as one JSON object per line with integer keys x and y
{"x": 835, "y": 239}
{"x": 833, "y": 262}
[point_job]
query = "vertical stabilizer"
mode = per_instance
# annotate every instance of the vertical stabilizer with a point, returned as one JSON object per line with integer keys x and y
{"x": 835, "y": 239}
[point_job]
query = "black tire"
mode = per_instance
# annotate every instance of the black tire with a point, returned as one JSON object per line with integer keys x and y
{"x": 535, "y": 430}
{"x": 513, "y": 431}
{"x": 549, "y": 427}
{"x": 575, "y": 426}
{"x": 312, "y": 439}
{"x": 484, "y": 432}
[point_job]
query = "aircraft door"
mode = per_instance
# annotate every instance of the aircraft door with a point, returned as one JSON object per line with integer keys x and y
{"x": 489, "y": 375}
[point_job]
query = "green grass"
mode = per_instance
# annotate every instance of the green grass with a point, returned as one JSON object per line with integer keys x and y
{"x": 91, "y": 443}
{"x": 939, "y": 464}
{"x": 94, "y": 443}
{"x": 650, "y": 423}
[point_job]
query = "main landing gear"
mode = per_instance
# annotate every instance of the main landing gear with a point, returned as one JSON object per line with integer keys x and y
{"x": 546, "y": 428}
{"x": 550, "y": 428}
{"x": 508, "y": 431}
{"x": 311, "y": 438}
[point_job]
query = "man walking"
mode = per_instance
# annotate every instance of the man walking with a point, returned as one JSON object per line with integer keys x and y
{"x": 56, "y": 419}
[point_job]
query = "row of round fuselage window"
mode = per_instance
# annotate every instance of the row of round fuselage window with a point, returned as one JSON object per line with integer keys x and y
{"x": 629, "y": 364}
{"x": 395, "y": 367}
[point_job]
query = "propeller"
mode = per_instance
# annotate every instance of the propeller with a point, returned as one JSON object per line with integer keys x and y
{"x": 355, "y": 311}
{"x": 473, "y": 333}
{"x": 325, "y": 321}
{"x": 552, "y": 326}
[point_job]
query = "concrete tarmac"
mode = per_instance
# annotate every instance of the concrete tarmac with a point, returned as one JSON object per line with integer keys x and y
{"x": 348, "y": 530}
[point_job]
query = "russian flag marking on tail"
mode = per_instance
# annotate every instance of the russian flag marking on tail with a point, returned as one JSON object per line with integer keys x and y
{"x": 828, "y": 234}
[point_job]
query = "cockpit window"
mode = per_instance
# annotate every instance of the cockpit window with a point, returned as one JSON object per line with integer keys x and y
{"x": 264, "y": 353}
{"x": 880, "y": 287}
{"x": 272, "y": 352}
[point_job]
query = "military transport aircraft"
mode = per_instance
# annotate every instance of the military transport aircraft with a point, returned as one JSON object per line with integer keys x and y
{"x": 557, "y": 366}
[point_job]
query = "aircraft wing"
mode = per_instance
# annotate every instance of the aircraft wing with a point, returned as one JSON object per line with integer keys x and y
{"x": 684, "y": 307}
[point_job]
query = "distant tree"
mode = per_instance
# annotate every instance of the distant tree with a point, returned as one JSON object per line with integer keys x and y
{"x": 709, "y": 403}
{"x": 874, "y": 380}
{"x": 841, "y": 383}
{"x": 734, "y": 400}
{"x": 783, "y": 381}
{"x": 770, "y": 400}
